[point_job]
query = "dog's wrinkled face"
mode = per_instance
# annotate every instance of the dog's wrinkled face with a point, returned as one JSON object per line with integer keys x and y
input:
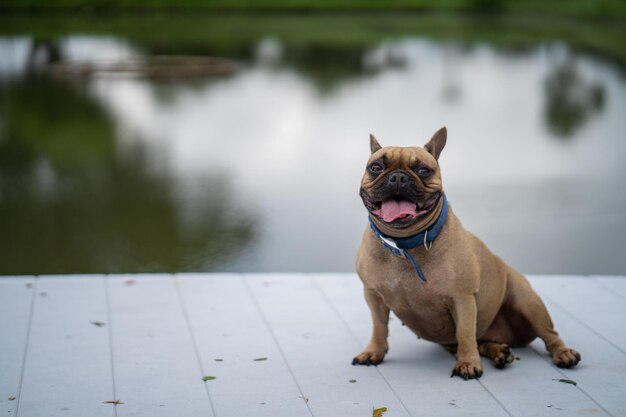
{"x": 402, "y": 187}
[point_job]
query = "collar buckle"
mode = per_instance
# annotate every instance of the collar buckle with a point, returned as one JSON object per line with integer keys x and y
{"x": 427, "y": 245}
{"x": 392, "y": 245}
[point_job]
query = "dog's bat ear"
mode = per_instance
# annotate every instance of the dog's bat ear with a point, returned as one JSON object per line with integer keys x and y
{"x": 436, "y": 144}
{"x": 374, "y": 145}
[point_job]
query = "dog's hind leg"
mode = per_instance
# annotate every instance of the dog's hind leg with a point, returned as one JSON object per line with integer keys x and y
{"x": 499, "y": 353}
{"x": 523, "y": 300}
{"x": 495, "y": 342}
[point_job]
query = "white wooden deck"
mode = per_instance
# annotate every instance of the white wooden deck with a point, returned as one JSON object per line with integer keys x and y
{"x": 70, "y": 343}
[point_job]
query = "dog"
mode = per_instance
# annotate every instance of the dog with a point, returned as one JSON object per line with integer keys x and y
{"x": 417, "y": 260}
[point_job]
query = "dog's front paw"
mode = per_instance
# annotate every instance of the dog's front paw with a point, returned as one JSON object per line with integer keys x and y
{"x": 467, "y": 369}
{"x": 566, "y": 358}
{"x": 370, "y": 356}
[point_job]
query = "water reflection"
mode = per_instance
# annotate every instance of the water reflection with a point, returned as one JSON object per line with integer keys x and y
{"x": 571, "y": 99}
{"x": 71, "y": 202}
{"x": 259, "y": 171}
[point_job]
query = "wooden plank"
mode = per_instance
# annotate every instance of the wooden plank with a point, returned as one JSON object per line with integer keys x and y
{"x": 531, "y": 387}
{"x": 412, "y": 366}
{"x": 230, "y": 334}
{"x": 537, "y": 389}
{"x": 319, "y": 349}
{"x": 166, "y": 336}
{"x": 155, "y": 363}
{"x": 68, "y": 363}
{"x": 526, "y": 388}
{"x": 599, "y": 309}
{"x": 615, "y": 284}
{"x": 602, "y": 372}
{"x": 16, "y": 299}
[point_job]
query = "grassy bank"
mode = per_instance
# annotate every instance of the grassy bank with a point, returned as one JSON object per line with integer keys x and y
{"x": 614, "y": 9}
{"x": 232, "y": 34}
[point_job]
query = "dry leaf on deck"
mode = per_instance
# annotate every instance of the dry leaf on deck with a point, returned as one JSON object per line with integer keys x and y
{"x": 378, "y": 412}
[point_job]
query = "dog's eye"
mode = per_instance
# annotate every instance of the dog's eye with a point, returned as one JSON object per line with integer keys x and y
{"x": 424, "y": 172}
{"x": 376, "y": 168}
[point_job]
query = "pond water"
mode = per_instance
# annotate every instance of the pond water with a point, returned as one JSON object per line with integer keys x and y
{"x": 110, "y": 163}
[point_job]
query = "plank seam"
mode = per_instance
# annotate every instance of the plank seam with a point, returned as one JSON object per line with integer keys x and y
{"x": 313, "y": 280}
{"x": 181, "y": 300}
{"x": 607, "y": 288}
{"x": 506, "y": 410}
{"x": 544, "y": 357}
{"x": 273, "y": 335}
{"x": 107, "y": 298}
{"x": 575, "y": 318}
{"x": 31, "y": 313}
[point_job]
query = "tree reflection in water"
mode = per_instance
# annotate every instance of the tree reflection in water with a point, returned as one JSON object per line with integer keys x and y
{"x": 71, "y": 202}
{"x": 103, "y": 172}
{"x": 570, "y": 99}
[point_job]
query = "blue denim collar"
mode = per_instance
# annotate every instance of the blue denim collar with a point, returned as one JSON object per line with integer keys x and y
{"x": 401, "y": 246}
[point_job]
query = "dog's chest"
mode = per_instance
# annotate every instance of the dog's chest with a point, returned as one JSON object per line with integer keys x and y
{"x": 423, "y": 307}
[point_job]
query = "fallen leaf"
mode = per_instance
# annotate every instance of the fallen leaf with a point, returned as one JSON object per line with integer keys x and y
{"x": 218, "y": 360}
{"x": 517, "y": 358}
{"x": 115, "y": 402}
{"x": 11, "y": 398}
{"x": 98, "y": 323}
{"x": 130, "y": 282}
{"x": 378, "y": 412}
{"x": 567, "y": 381}
{"x": 260, "y": 359}
{"x": 208, "y": 378}
{"x": 352, "y": 381}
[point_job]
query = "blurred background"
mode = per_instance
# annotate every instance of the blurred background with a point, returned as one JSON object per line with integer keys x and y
{"x": 204, "y": 135}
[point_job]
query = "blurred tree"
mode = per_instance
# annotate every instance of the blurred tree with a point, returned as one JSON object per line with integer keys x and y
{"x": 570, "y": 99}
{"x": 70, "y": 202}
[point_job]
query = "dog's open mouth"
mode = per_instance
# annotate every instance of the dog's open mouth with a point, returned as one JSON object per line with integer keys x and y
{"x": 399, "y": 211}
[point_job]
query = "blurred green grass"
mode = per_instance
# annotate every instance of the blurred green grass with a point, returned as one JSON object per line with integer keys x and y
{"x": 587, "y": 8}
{"x": 233, "y": 34}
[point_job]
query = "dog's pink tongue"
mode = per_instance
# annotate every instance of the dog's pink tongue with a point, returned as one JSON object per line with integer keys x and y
{"x": 392, "y": 210}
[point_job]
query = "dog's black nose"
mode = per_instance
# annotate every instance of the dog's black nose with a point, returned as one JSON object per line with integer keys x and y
{"x": 398, "y": 178}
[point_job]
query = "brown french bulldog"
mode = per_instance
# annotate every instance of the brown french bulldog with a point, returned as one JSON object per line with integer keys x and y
{"x": 417, "y": 260}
